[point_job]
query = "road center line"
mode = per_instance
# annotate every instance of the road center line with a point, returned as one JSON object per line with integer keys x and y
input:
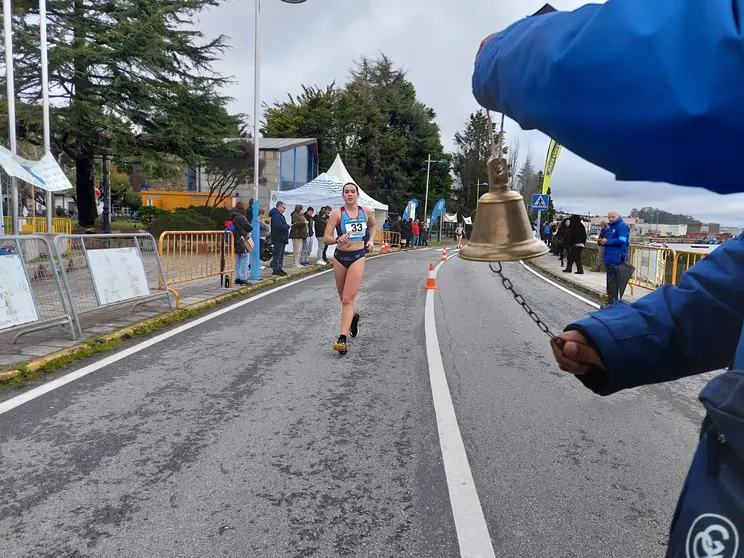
{"x": 470, "y": 523}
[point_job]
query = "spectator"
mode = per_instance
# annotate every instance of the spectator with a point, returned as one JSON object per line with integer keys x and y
{"x": 321, "y": 220}
{"x": 559, "y": 246}
{"x": 264, "y": 232}
{"x": 395, "y": 230}
{"x": 617, "y": 249}
{"x": 416, "y": 232}
{"x": 575, "y": 242}
{"x": 546, "y": 232}
{"x": 307, "y": 244}
{"x": 279, "y": 232}
{"x": 298, "y": 234}
{"x": 242, "y": 231}
{"x": 601, "y": 248}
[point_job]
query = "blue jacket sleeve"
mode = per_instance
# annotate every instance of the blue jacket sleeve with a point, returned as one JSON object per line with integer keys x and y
{"x": 674, "y": 331}
{"x": 621, "y": 84}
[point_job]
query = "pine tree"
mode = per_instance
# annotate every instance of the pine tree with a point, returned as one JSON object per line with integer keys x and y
{"x": 129, "y": 78}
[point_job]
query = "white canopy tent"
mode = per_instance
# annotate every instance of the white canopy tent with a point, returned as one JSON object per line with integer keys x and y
{"x": 327, "y": 189}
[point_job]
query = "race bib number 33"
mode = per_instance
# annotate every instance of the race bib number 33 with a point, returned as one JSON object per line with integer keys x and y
{"x": 356, "y": 230}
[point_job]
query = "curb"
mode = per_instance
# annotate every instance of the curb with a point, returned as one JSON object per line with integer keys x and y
{"x": 109, "y": 341}
{"x": 602, "y": 297}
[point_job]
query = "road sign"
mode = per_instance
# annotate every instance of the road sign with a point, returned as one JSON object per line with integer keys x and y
{"x": 540, "y": 202}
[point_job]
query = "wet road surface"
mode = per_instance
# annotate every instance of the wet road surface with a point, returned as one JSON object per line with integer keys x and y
{"x": 247, "y": 436}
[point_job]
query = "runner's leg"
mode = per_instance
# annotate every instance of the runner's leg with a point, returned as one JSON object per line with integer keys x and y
{"x": 339, "y": 272}
{"x": 354, "y": 276}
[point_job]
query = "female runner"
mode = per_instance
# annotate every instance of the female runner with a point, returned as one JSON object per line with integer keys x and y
{"x": 355, "y": 228}
{"x": 459, "y": 231}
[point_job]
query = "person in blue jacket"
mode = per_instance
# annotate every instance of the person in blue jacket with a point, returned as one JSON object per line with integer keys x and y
{"x": 624, "y": 84}
{"x": 616, "y": 242}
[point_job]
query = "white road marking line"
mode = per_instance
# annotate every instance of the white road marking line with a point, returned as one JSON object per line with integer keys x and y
{"x": 470, "y": 523}
{"x": 560, "y": 287}
{"x": 84, "y": 371}
{"x": 32, "y": 394}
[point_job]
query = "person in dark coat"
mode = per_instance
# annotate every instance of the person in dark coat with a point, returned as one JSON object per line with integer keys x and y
{"x": 243, "y": 230}
{"x": 279, "y": 237}
{"x": 575, "y": 242}
{"x": 321, "y": 220}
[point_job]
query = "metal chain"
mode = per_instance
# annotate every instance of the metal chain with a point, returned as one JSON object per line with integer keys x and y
{"x": 523, "y": 303}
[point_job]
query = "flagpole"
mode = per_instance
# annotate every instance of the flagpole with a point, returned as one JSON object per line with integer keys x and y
{"x": 8, "y": 30}
{"x": 2, "y": 210}
{"x": 45, "y": 106}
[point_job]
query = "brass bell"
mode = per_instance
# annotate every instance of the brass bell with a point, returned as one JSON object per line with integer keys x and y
{"x": 502, "y": 231}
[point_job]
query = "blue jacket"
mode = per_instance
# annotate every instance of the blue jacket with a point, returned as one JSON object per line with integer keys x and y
{"x": 279, "y": 227}
{"x": 617, "y": 248}
{"x": 676, "y": 332}
{"x": 627, "y": 105}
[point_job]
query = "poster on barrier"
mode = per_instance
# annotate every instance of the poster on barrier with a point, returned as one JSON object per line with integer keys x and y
{"x": 118, "y": 274}
{"x": 16, "y": 299}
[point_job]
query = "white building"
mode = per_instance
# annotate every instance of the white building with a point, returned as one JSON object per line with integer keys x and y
{"x": 733, "y": 231}
{"x": 647, "y": 229}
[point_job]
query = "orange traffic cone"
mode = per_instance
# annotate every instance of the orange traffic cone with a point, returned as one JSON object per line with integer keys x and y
{"x": 385, "y": 248}
{"x": 444, "y": 253}
{"x": 431, "y": 282}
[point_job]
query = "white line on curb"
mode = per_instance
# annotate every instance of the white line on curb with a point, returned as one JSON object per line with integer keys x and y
{"x": 560, "y": 287}
{"x": 470, "y": 523}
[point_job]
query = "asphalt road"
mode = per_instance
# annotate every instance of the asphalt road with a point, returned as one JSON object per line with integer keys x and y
{"x": 247, "y": 436}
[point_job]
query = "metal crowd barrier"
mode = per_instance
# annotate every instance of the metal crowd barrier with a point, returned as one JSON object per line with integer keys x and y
{"x": 35, "y": 225}
{"x": 684, "y": 260}
{"x": 391, "y": 238}
{"x": 105, "y": 270}
{"x": 32, "y": 297}
{"x": 190, "y": 255}
{"x": 652, "y": 264}
{"x": 657, "y": 266}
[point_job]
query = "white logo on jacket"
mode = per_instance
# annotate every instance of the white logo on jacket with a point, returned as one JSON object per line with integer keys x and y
{"x": 712, "y": 536}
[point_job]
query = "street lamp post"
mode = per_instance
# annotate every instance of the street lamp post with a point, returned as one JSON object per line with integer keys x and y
{"x": 256, "y": 234}
{"x": 9, "y": 77}
{"x": 45, "y": 105}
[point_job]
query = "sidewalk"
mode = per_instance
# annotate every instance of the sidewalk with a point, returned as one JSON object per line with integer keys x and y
{"x": 108, "y": 320}
{"x": 591, "y": 282}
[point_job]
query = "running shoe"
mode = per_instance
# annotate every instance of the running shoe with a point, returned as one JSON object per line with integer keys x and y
{"x": 354, "y": 329}
{"x": 340, "y": 345}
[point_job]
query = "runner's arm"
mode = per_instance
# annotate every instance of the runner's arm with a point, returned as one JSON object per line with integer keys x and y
{"x": 333, "y": 220}
{"x": 621, "y": 84}
{"x": 371, "y": 224}
{"x": 673, "y": 332}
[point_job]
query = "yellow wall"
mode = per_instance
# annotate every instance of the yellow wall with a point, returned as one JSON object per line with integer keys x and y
{"x": 171, "y": 200}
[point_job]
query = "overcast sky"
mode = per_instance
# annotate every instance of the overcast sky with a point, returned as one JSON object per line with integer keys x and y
{"x": 435, "y": 41}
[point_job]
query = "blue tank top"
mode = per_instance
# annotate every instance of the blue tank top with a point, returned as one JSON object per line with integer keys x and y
{"x": 355, "y": 227}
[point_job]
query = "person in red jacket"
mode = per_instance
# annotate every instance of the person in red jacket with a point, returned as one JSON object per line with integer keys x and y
{"x": 416, "y": 232}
